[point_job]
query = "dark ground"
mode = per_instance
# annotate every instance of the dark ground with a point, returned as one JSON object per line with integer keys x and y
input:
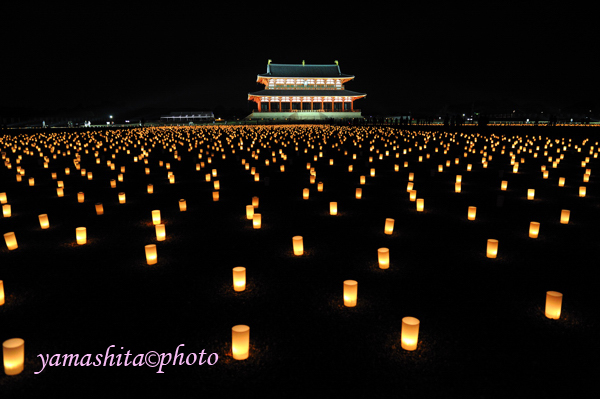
{"x": 483, "y": 331}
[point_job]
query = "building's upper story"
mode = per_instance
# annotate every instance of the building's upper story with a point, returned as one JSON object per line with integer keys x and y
{"x": 303, "y": 77}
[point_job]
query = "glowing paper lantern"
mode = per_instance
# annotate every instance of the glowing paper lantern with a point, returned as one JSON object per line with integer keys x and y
{"x": 256, "y": 220}
{"x": 6, "y": 210}
{"x": 113, "y": 183}
{"x": 457, "y": 187}
{"x": 553, "y": 304}
{"x": 383, "y": 257}
{"x": 372, "y": 172}
{"x": 239, "y": 278}
{"x": 409, "y": 336}
{"x": 81, "y": 235}
{"x": 582, "y": 191}
{"x": 150, "y": 189}
{"x": 3, "y": 198}
{"x": 240, "y": 342}
{"x": 182, "y": 205}
{"x": 413, "y": 195}
{"x": 389, "y": 226}
{"x": 503, "y": 185}
{"x": 60, "y": 192}
{"x": 492, "y": 248}
{"x": 121, "y": 198}
{"x": 320, "y": 187}
{"x": 217, "y": 185}
{"x": 420, "y": 204}
{"x": 255, "y": 202}
{"x": 1, "y": 293}
{"x": 151, "y": 256}
{"x": 11, "y": 240}
{"x": 534, "y": 229}
{"x": 561, "y": 182}
{"x": 350, "y": 293}
{"x": 99, "y": 209}
{"x": 564, "y": 216}
{"x": 13, "y": 351}
{"x": 358, "y": 193}
{"x": 333, "y": 208}
{"x": 363, "y": 180}
{"x": 298, "y": 245}
{"x": 249, "y": 212}
{"x": 530, "y": 194}
{"x": 156, "y": 217}
{"x": 161, "y": 234}
{"x": 44, "y": 223}
{"x": 215, "y": 196}
{"x": 31, "y": 181}
{"x": 80, "y": 197}
{"x": 409, "y": 186}
{"x": 471, "y": 212}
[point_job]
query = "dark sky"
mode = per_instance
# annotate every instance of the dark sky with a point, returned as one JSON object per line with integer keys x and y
{"x": 403, "y": 57}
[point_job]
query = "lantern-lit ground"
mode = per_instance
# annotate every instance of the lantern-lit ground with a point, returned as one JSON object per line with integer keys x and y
{"x": 483, "y": 331}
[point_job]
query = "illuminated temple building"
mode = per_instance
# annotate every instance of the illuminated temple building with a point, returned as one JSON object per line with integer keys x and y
{"x": 302, "y": 91}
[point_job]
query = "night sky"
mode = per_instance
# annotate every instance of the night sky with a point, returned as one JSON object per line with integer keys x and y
{"x": 405, "y": 58}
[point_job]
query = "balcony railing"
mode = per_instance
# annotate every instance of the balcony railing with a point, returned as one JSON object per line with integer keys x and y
{"x": 313, "y": 110}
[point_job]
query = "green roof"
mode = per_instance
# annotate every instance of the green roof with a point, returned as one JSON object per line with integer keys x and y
{"x": 304, "y": 71}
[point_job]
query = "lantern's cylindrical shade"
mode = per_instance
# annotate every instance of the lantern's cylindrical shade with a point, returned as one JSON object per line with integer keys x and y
{"x": 534, "y": 229}
{"x": 257, "y": 220}
{"x": 44, "y": 223}
{"x": 11, "y": 240}
{"x": 582, "y": 191}
{"x": 80, "y": 197}
{"x": 333, "y": 208}
{"x": 3, "y": 198}
{"x": 389, "y": 226}
{"x": 320, "y": 186}
{"x": 350, "y": 293}
{"x": 239, "y": 278}
{"x": 472, "y": 212}
{"x": 215, "y": 196}
{"x": 358, "y": 193}
{"x": 99, "y": 209}
{"x": 60, "y": 192}
{"x": 363, "y": 180}
{"x": 586, "y": 177}
{"x": 530, "y": 194}
{"x": 492, "y": 248}
{"x": 113, "y": 183}
{"x": 504, "y": 185}
{"x": 372, "y": 172}
{"x": 6, "y": 210}
{"x": 561, "y": 182}
{"x": 13, "y": 351}
{"x": 1, "y": 293}
{"x": 298, "y": 245}
{"x": 420, "y": 204}
{"x": 161, "y": 233}
{"x": 553, "y": 304}
{"x": 182, "y": 205}
{"x": 305, "y": 193}
{"x": 240, "y": 342}
{"x": 457, "y": 187}
{"x": 151, "y": 255}
{"x": 156, "y": 217}
{"x": 459, "y": 178}
{"x": 31, "y": 181}
{"x": 409, "y": 186}
{"x": 564, "y": 216}
{"x": 121, "y": 198}
{"x": 413, "y": 195}
{"x": 81, "y": 235}
{"x": 383, "y": 257}
{"x": 249, "y": 212}
{"x": 217, "y": 185}
{"x": 150, "y": 189}
{"x": 409, "y": 336}
{"x": 411, "y": 176}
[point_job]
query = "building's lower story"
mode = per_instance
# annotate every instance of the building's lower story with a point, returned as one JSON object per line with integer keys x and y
{"x": 302, "y": 115}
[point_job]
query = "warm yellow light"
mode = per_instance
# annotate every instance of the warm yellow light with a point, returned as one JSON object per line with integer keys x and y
{"x": 492, "y": 248}
{"x": 150, "y": 189}
{"x": 440, "y": 168}
{"x": 582, "y": 191}
{"x": 44, "y": 223}
{"x": 358, "y": 193}
{"x": 320, "y": 186}
{"x": 389, "y": 226}
{"x": 13, "y": 351}
{"x": 409, "y": 337}
{"x": 31, "y": 181}
{"x": 457, "y": 187}
{"x": 472, "y": 212}
{"x": 350, "y": 293}
{"x": 215, "y": 195}
{"x": 217, "y": 185}
{"x": 363, "y": 180}
{"x": 256, "y": 221}
{"x": 151, "y": 255}
{"x": 207, "y": 176}
{"x": 372, "y": 172}
{"x": 459, "y": 178}
{"x": 586, "y": 177}
{"x": 1, "y": 293}
{"x": 121, "y": 198}
{"x": 503, "y": 185}
{"x": 239, "y": 278}
{"x": 409, "y": 186}
{"x": 545, "y": 174}
{"x": 81, "y": 235}
{"x": 469, "y": 167}
{"x": 553, "y": 304}
{"x": 240, "y": 342}
{"x": 420, "y": 204}
{"x": 99, "y": 209}
{"x": 411, "y": 176}
{"x": 3, "y": 198}
{"x": 561, "y": 182}
{"x": 11, "y": 240}
{"x": 564, "y": 216}
{"x": 530, "y": 194}
{"x": 161, "y": 234}
{"x": 156, "y": 217}
{"x": 534, "y": 229}
{"x": 298, "y": 245}
{"x": 350, "y": 168}
{"x": 383, "y": 257}
{"x": 413, "y": 195}
{"x": 6, "y": 210}
{"x": 333, "y": 208}
{"x": 80, "y": 197}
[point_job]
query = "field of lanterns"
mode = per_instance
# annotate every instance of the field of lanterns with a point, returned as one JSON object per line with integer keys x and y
{"x": 366, "y": 261}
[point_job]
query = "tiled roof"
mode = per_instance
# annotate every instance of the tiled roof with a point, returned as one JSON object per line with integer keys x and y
{"x": 304, "y": 71}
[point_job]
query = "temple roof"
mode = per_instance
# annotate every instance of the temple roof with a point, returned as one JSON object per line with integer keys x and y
{"x": 307, "y": 93}
{"x": 303, "y": 71}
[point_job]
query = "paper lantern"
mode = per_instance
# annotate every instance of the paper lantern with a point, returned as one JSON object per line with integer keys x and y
{"x": 363, "y": 180}
{"x": 545, "y": 174}
{"x": 151, "y": 256}
{"x": 3, "y": 198}
{"x": 239, "y": 278}
{"x": 440, "y": 168}
{"x": 561, "y": 182}
{"x": 333, "y": 208}
{"x": 320, "y": 187}
{"x": 305, "y": 193}
{"x": 255, "y": 202}
{"x": 409, "y": 337}
{"x": 150, "y": 189}
{"x": 249, "y": 212}
{"x": 121, "y": 198}
{"x": 358, "y": 193}
{"x": 411, "y": 176}
{"x": 147, "y": 170}
{"x": 564, "y": 216}
{"x": 256, "y": 220}
{"x": 1, "y": 293}
{"x": 582, "y": 191}
{"x": 553, "y": 304}
{"x": 420, "y": 204}
{"x": 350, "y": 168}
{"x": 469, "y": 167}
{"x": 11, "y": 240}
{"x": 240, "y": 342}
{"x": 409, "y": 186}
{"x": 471, "y": 212}
{"x": 586, "y": 177}
{"x": 383, "y": 257}
{"x": 81, "y": 235}
{"x": 80, "y": 197}
{"x": 534, "y": 229}
{"x": 217, "y": 185}
{"x": 113, "y": 183}
{"x": 99, "y": 209}
{"x": 389, "y": 226}
{"x": 6, "y": 210}
{"x": 182, "y": 205}
{"x": 372, "y": 172}
{"x": 120, "y": 177}
{"x": 156, "y": 217}
{"x": 530, "y": 194}
{"x": 492, "y": 248}
{"x": 207, "y": 176}
{"x": 459, "y": 178}
{"x": 44, "y": 223}
{"x": 350, "y": 293}
{"x": 161, "y": 234}
{"x": 31, "y": 181}
{"x": 503, "y": 185}
{"x": 457, "y": 187}
{"x": 60, "y": 192}
{"x": 412, "y": 195}
{"x": 215, "y": 195}
{"x": 298, "y": 245}
{"x": 13, "y": 351}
